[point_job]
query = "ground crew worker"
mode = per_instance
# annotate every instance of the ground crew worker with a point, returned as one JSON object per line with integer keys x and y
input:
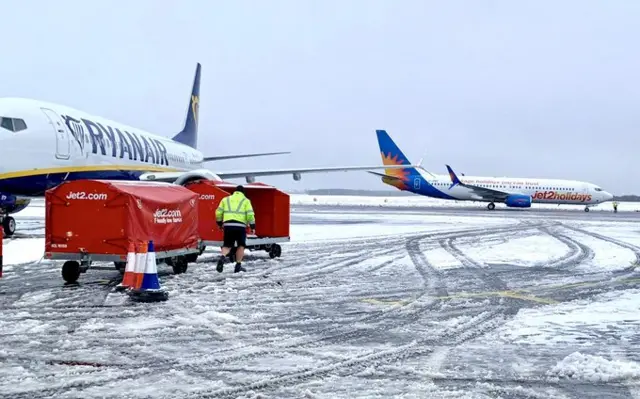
{"x": 615, "y": 206}
{"x": 234, "y": 213}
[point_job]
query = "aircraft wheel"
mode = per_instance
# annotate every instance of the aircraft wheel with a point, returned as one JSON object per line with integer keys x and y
{"x": 491, "y": 206}
{"x": 9, "y": 226}
{"x": 70, "y": 271}
{"x": 586, "y": 209}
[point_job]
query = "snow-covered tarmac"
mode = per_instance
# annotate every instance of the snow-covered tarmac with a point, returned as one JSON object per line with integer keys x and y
{"x": 374, "y": 302}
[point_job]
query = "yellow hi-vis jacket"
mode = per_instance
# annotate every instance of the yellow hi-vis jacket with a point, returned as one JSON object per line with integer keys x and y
{"x": 236, "y": 210}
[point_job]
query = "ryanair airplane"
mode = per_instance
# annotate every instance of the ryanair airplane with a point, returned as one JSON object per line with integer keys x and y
{"x": 44, "y": 144}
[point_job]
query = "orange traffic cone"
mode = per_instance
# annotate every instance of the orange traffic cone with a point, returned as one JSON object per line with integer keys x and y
{"x": 141, "y": 262}
{"x": 150, "y": 289}
{"x": 129, "y": 278}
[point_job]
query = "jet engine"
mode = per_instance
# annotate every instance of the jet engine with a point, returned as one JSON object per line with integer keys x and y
{"x": 297, "y": 176}
{"x": 518, "y": 201}
{"x": 250, "y": 179}
{"x": 12, "y": 204}
{"x": 198, "y": 174}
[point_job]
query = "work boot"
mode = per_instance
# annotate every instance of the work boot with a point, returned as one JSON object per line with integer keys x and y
{"x": 220, "y": 265}
{"x": 239, "y": 268}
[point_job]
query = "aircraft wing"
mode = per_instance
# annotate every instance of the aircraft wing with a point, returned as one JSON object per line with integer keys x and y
{"x": 298, "y": 171}
{"x": 481, "y": 192}
{"x": 259, "y": 154}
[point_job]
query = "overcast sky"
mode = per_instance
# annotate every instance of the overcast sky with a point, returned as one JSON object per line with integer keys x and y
{"x": 506, "y": 88}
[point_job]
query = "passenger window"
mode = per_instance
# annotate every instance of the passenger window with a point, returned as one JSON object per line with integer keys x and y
{"x": 19, "y": 125}
{"x": 7, "y": 123}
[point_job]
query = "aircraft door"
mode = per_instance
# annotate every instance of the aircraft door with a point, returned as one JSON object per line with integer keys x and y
{"x": 63, "y": 142}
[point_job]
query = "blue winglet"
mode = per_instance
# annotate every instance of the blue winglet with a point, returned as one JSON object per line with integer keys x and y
{"x": 454, "y": 179}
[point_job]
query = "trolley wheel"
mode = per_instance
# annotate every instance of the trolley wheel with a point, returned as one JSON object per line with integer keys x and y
{"x": 278, "y": 250}
{"x": 192, "y": 258}
{"x": 70, "y": 271}
{"x": 121, "y": 266}
{"x": 273, "y": 251}
{"x": 9, "y": 226}
{"x": 180, "y": 265}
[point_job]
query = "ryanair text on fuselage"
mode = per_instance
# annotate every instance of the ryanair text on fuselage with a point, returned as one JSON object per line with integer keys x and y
{"x": 135, "y": 146}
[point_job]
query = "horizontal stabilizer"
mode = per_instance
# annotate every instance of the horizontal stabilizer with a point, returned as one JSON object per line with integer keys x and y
{"x": 385, "y": 176}
{"x": 260, "y": 154}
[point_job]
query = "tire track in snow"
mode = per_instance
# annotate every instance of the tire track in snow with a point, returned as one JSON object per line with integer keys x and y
{"x": 577, "y": 254}
{"x": 631, "y": 247}
{"x": 456, "y": 335}
{"x": 337, "y": 333}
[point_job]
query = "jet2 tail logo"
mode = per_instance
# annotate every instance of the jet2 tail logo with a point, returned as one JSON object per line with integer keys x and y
{"x": 164, "y": 216}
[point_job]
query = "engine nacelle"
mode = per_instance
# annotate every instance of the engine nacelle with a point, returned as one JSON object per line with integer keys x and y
{"x": 518, "y": 201}
{"x": 250, "y": 179}
{"x": 297, "y": 176}
{"x": 11, "y": 204}
{"x": 199, "y": 174}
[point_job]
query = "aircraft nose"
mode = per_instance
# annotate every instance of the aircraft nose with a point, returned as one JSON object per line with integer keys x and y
{"x": 608, "y": 196}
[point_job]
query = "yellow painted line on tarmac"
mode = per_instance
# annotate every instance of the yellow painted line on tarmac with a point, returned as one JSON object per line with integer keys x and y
{"x": 521, "y": 294}
{"x": 375, "y": 301}
{"x": 506, "y": 294}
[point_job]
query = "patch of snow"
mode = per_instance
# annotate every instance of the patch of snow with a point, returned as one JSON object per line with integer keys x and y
{"x": 594, "y": 368}
{"x": 607, "y": 256}
{"x": 575, "y": 322}
{"x": 523, "y": 251}
{"x": 21, "y": 251}
{"x": 442, "y": 259}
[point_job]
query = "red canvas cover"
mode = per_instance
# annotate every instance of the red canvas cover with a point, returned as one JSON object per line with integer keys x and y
{"x": 102, "y": 217}
{"x": 271, "y": 207}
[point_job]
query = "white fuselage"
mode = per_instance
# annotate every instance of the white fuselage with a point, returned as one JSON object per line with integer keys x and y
{"x": 60, "y": 141}
{"x": 549, "y": 191}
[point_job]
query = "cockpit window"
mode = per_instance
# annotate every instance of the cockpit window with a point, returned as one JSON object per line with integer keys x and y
{"x": 7, "y": 123}
{"x": 19, "y": 124}
{"x": 598, "y": 189}
{"x": 13, "y": 124}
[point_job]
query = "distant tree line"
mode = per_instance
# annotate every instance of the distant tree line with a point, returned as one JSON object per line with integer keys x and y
{"x": 383, "y": 193}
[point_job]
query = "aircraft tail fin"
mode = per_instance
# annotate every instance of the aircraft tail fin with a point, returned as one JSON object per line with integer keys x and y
{"x": 392, "y": 155}
{"x": 189, "y": 134}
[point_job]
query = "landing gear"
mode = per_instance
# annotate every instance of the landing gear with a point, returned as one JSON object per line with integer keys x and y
{"x": 8, "y": 225}
{"x": 491, "y": 206}
{"x": 586, "y": 209}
